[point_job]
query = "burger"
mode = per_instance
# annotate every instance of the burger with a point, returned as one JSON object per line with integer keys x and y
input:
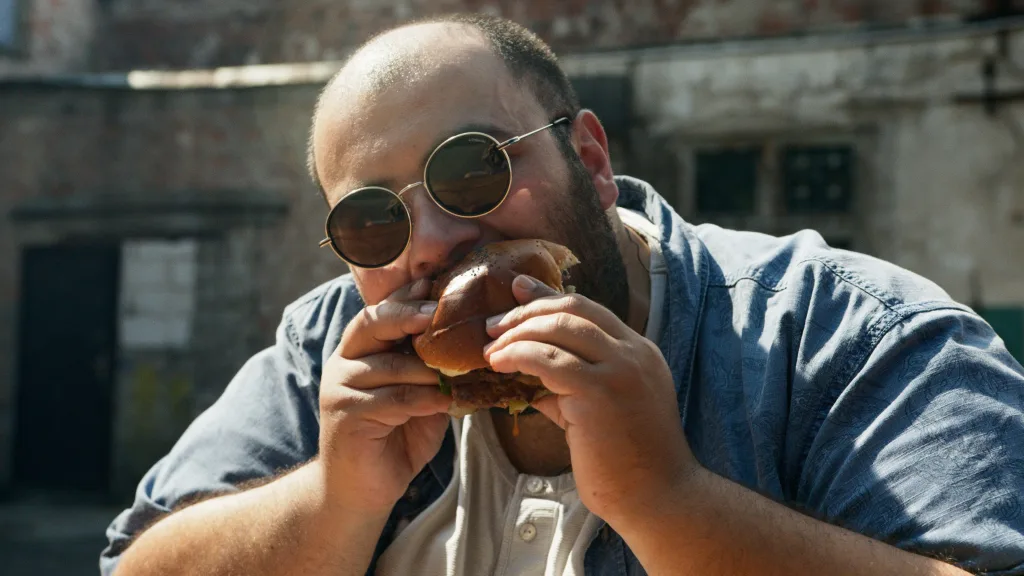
{"x": 478, "y": 287}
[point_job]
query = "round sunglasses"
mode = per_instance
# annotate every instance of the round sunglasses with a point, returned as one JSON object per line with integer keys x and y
{"x": 468, "y": 175}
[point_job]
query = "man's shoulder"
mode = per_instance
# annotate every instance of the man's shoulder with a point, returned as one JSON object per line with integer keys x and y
{"x": 748, "y": 274}
{"x": 314, "y": 321}
{"x": 805, "y": 263}
{"x": 331, "y": 297}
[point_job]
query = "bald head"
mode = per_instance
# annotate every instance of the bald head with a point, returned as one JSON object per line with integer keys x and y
{"x": 408, "y": 58}
{"x": 396, "y": 59}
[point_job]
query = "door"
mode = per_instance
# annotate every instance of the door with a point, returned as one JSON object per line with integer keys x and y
{"x": 66, "y": 370}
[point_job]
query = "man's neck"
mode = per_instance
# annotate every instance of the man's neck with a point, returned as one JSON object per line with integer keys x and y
{"x": 540, "y": 448}
{"x": 637, "y": 257}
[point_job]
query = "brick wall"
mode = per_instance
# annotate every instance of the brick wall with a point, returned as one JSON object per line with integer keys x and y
{"x": 76, "y": 35}
{"x": 157, "y": 144}
{"x": 146, "y": 33}
{"x": 167, "y": 150}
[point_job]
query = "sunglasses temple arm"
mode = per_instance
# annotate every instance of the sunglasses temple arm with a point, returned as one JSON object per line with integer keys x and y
{"x": 512, "y": 141}
{"x": 325, "y": 242}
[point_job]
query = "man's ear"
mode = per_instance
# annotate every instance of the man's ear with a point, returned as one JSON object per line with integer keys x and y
{"x": 591, "y": 144}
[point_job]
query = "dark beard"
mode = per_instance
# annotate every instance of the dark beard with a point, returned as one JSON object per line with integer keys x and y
{"x": 585, "y": 229}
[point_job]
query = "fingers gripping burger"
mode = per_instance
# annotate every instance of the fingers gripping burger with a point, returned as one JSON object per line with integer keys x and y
{"x": 478, "y": 287}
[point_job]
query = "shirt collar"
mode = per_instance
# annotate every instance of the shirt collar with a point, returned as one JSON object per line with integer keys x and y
{"x": 687, "y": 262}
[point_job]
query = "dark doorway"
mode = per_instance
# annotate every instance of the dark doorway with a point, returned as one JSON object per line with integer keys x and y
{"x": 67, "y": 341}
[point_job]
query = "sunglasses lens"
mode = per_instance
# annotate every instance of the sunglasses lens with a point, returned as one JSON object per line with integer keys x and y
{"x": 468, "y": 175}
{"x": 369, "y": 227}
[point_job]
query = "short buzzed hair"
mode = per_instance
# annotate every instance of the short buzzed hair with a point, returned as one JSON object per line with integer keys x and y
{"x": 528, "y": 58}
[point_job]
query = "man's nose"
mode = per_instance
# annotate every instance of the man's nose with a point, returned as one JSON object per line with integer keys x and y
{"x": 438, "y": 238}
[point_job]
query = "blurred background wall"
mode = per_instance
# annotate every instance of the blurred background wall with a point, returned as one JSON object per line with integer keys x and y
{"x": 157, "y": 217}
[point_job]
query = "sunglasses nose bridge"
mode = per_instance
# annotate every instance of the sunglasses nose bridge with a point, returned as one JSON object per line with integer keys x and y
{"x": 409, "y": 187}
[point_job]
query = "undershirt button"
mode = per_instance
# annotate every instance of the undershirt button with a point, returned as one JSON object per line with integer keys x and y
{"x": 527, "y": 532}
{"x": 534, "y": 485}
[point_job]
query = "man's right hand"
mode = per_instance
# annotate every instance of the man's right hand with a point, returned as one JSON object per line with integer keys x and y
{"x": 382, "y": 418}
{"x": 382, "y": 415}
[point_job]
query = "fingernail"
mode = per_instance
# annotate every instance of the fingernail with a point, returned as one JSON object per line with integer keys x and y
{"x": 428, "y": 308}
{"x": 421, "y": 284}
{"x": 525, "y": 282}
{"x": 487, "y": 347}
{"x": 493, "y": 320}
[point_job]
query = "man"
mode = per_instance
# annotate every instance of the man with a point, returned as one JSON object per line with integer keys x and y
{"x": 726, "y": 402}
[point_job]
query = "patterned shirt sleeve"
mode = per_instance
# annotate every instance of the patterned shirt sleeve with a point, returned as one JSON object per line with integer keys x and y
{"x": 924, "y": 448}
{"x": 266, "y": 421}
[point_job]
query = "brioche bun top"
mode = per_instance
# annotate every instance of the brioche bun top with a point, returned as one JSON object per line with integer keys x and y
{"x": 478, "y": 287}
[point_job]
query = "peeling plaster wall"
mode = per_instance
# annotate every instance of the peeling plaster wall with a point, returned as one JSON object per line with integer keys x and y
{"x": 946, "y": 185}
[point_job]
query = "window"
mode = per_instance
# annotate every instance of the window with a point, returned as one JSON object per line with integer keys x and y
{"x": 779, "y": 184}
{"x": 727, "y": 180}
{"x": 8, "y": 24}
{"x": 817, "y": 179}
{"x": 610, "y": 98}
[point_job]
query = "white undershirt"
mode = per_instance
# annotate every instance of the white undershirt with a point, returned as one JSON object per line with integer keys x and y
{"x": 493, "y": 520}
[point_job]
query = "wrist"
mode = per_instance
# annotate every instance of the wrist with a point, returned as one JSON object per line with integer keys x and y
{"x": 334, "y": 504}
{"x": 678, "y": 508}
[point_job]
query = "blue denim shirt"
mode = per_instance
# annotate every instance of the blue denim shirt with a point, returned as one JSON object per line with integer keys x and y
{"x": 841, "y": 385}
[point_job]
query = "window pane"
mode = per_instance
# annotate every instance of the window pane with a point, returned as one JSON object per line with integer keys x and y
{"x": 727, "y": 180}
{"x": 8, "y": 23}
{"x": 817, "y": 178}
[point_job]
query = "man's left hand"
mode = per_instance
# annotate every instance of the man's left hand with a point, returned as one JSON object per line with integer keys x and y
{"x": 614, "y": 397}
{"x": 633, "y": 467}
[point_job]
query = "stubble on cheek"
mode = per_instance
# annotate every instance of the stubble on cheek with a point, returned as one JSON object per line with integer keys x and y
{"x": 583, "y": 226}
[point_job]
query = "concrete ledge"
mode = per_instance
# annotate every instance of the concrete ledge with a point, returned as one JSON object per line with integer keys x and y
{"x": 149, "y": 203}
{"x": 182, "y": 213}
{"x": 255, "y": 76}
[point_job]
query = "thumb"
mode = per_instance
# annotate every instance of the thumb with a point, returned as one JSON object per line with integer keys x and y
{"x": 417, "y": 290}
{"x": 526, "y": 289}
{"x": 548, "y": 406}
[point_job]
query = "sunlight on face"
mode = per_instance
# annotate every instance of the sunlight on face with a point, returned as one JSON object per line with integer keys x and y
{"x": 368, "y": 134}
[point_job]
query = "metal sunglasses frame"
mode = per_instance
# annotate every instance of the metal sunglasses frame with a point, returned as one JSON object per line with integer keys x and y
{"x": 328, "y": 241}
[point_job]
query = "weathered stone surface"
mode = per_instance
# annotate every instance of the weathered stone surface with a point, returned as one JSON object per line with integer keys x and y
{"x": 64, "y": 35}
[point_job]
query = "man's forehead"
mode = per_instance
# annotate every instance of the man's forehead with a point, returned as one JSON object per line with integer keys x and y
{"x": 403, "y": 55}
{"x": 359, "y": 131}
